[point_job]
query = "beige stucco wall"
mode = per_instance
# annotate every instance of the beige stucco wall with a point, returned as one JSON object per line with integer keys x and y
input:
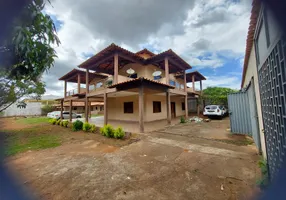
{"x": 252, "y": 72}
{"x": 115, "y": 107}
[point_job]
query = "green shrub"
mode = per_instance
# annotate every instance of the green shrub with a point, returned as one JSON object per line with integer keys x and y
{"x": 58, "y": 122}
{"x": 86, "y": 126}
{"x": 119, "y": 133}
{"x": 92, "y": 128}
{"x": 182, "y": 120}
{"x": 62, "y": 123}
{"x": 65, "y": 123}
{"x": 53, "y": 121}
{"x": 107, "y": 130}
{"x": 46, "y": 109}
{"x": 263, "y": 182}
{"x": 77, "y": 125}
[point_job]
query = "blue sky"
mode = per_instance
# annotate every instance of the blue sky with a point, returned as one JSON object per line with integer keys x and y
{"x": 209, "y": 34}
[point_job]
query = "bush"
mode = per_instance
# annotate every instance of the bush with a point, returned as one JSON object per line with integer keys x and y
{"x": 182, "y": 120}
{"x": 77, "y": 125}
{"x": 62, "y": 123}
{"x": 86, "y": 126}
{"x": 58, "y": 122}
{"x": 46, "y": 109}
{"x": 65, "y": 123}
{"x": 92, "y": 128}
{"x": 53, "y": 121}
{"x": 107, "y": 130}
{"x": 119, "y": 133}
{"x": 263, "y": 182}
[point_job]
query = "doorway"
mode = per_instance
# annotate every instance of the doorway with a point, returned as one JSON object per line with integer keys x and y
{"x": 173, "y": 109}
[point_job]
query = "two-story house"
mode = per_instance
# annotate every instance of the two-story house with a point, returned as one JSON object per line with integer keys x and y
{"x": 138, "y": 87}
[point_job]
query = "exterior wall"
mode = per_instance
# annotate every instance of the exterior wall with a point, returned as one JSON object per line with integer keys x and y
{"x": 32, "y": 108}
{"x": 144, "y": 55}
{"x": 252, "y": 72}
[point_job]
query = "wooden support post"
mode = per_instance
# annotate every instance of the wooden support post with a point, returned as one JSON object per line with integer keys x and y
{"x": 186, "y": 107}
{"x": 185, "y": 81}
{"x": 167, "y": 71}
{"x": 70, "y": 110}
{"x": 105, "y": 108}
{"x": 201, "y": 87}
{"x": 193, "y": 83}
{"x": 78, "y": 83}
{"x": 141, "y": 109}
{"x": 89, "y": 108}
{"x": 86, "y": 109}
{"x": 198, "y": 107}
{"x": 62, "y": 107}
{"x": 115, "y": 78}
{"x": 65, "y": 95}
{"x": 87, "y": 81}
{"x": 168, "y": 103}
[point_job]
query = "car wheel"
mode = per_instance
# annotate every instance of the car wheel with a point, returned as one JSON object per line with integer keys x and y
{"x": 78, "y": 117}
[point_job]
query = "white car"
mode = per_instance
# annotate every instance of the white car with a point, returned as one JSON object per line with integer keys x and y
{"x": 66, "y": 115}
{"x": 215, "y": 110}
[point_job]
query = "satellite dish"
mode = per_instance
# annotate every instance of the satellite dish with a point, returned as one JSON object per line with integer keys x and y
{"x": 130, "y": 71}
{"x": 157, "y": 73}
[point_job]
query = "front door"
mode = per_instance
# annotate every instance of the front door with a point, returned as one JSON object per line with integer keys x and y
{"x": 173, "y": 109}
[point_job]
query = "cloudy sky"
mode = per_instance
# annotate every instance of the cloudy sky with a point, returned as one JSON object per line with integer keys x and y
{"x": 209, "y": 34}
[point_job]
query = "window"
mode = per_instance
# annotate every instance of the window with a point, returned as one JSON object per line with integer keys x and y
{"x": 128, "y": 107}
{"x": 183, "y": 106}
{"x": 74, "y": 108}
{"x": 96, "y": 108}
{"x": 156, "y": 106}
{"x": 177, "y": 85}
{"x": 171, "y": 82}
{"x": 133, "y": 75}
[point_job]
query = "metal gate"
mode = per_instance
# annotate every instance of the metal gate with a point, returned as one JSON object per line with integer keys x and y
{"x": 243, "y": 113}
{"x": 272, "y": 83}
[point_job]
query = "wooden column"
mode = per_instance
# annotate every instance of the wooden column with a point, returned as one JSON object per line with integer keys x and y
{"x": 86, "y": 109}
{"x": 141, "y": 109}
{"x": 78, "y": 83}
{"x": 186, "y": 107}
{"x": 168, "y": 103}
{"x": 201, "y": 87}
{"x": 87, "y": 81}
{"x": 167, "y": 71}
{"x": 193, "y": 83}
{"x": 89, "y": 108}
{"x": 105, "y": 108}
{"x": 198, "y": 107}
{"x": 70, "y": 110}
{"x": 185, "y": 81}
{"x": 62, "y": 108}
{"x": 65, "y": 95}
{"x": 115, "y": 78}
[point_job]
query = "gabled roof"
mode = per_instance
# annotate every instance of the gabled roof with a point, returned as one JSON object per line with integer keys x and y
{"x": 250, "y": 36}
{"x": 71, "y": 76}
{"x": 146, "y": 51}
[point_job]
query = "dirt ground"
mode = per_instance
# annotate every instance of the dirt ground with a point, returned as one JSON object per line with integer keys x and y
{"x": 179, "y": 162}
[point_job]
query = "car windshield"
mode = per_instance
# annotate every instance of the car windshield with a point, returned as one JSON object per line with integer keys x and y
{"x": 213, "y": 107}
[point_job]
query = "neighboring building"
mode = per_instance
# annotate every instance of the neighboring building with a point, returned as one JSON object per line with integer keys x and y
{"x": 79, "y": 107}
{"x": 137, "y": 87}
{"x": 265, "y": 64}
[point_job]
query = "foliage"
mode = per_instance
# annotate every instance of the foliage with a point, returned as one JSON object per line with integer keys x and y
{"x": 107, "y": 130}
{"x": 53, "y": 121}
{"x": 25, "y": 54}
{"x": 46, "y": 109}
{"x": 92, "y": 128}
{"x": 86, "y": 126}
{"x": 77, "y": 125}
{"x": 182, "y": 119}
{"x": 264, "y": 180}
{"x": 216, "y": 95}
{"x": 65, "y": 123}
{"x": 119, "y": 133}
{"x": 58, "y": 122}
{"x": 61, "y": 123}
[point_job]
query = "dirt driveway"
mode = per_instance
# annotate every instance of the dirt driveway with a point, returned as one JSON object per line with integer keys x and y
{"x": 159, "y": 166}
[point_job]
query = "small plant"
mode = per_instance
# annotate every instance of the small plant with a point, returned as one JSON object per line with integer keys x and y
{"x": 264, "y": 180}
{"x": 107, "y": 130}
{"x": 182, "y": 120}
{"x": 53, "y": 121}
{"x": 58, "y": 122}
{"x": 92, "y": 128}
{"x": 86, "y": 126}
{"x": 77, "y": 125}
{"x": 65, "y": 123}
{"x": 119, "y": 133}
{"x": 62, "y": 123}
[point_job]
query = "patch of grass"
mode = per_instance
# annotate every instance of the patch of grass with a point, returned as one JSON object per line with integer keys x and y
{"x": 33, "y": 120}
{"x": 263, "y": 182}
{"x": 243, "y": 142}
{"x": 96, "y": 115}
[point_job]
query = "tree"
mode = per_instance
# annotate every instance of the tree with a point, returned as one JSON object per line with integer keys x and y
{"x": 26, "y": 54}
{"x": 216, "y": 95}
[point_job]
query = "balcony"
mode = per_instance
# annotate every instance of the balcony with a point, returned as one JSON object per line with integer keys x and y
{"x": 75, "y": 91}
